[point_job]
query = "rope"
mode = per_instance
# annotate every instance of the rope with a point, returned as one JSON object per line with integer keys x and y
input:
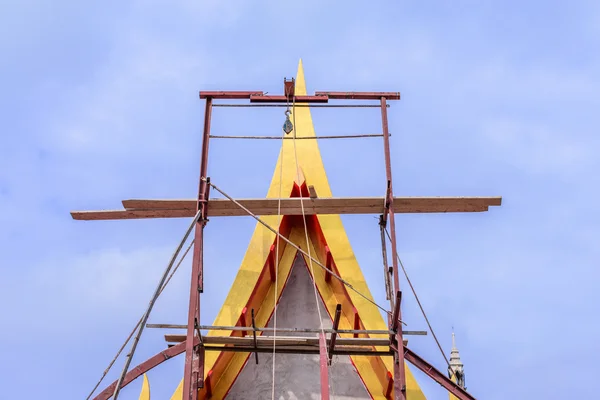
{"x": 136, "y": 339}
{"x": 312, "y": 271}
{"x": 114, "y": 359}
{"x": 419, "y": 303}
{"x": 177, "y": 266}
{"x": 333, "y": 274}
{"x": 304, "y": 105}
{"x": 365, "y": 135}
{"x": 137, "y": 325}
{"x": 279, "y": 218}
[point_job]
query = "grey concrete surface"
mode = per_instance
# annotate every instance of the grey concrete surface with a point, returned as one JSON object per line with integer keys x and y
{"x": 297, "y": 376}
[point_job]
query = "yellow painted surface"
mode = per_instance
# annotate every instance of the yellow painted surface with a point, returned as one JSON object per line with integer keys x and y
{"x": 311, "y": 164}
{"x": 262, "y": 317}
{"x": 363, "y": 364}
{"x": 145, "y": 393}
{"x": 450, "y": 395}
{"x": 223, "y": 382}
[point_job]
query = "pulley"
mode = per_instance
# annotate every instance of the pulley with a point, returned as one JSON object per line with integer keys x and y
{"x": 287, "y": 125}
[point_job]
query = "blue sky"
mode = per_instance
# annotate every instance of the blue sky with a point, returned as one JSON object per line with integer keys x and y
{"x": 99, "y": 103}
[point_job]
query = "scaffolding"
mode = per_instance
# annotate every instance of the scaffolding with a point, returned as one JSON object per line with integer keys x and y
{"x": 328, "y": 343}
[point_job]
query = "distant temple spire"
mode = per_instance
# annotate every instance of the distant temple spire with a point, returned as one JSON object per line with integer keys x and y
{"x": 456, "y": 365}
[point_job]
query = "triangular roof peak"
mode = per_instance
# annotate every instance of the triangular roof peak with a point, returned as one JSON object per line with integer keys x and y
{"x": 299, "y": 164}
{"x": 267, "y": 263}
{"x": 307, "y": 152}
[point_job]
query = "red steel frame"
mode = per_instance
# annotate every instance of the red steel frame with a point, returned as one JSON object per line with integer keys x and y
{"x": 191, "y": 379}
{"x": 194, "y": 355}
{"x": 323, "y": 361}
{"x": 399, "y": 373}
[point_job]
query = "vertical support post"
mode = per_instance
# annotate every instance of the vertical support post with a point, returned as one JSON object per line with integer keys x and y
{"x": 254, "y": 335}
{"x": 198, "y": 367}
{"x": 190, "y": 384}
{"x": 271, "y": 261}
{"x": 336, "y": 324}
{"x": 399, "y": 372}
{"x": 243, "y": 320}
{"x": 328, "y": 264}
{"x": 387, "y": 271}
{"x": 208, "y": 384}
{"x": 396, "y": 313}
{"x": 324, "y": 367}
{"x": 390, "y": 386}
{"x": 356, "y": 321}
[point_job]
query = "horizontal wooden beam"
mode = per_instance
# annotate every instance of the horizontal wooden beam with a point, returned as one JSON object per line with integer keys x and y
{"x": 346, "y": 205}
{"x": 267, "y": 341}
{"x": 129, "y": 214}
{"x": 136, "y": 209}
{"x": 288, "y": 330}
{"x": 356, "y": 351}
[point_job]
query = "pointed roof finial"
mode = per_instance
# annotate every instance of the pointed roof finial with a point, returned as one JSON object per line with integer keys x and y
{"x": 300, "y": 82}
{"x": 454, "y": 341}
{"x": 456, "y": 364}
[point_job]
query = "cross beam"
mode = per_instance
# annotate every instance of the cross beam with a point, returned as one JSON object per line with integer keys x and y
{"x": 140, "y": 208}
{"x": 293, "y": 330}
{"x": 319, "y": 97}
{"x": 267, "y": 341}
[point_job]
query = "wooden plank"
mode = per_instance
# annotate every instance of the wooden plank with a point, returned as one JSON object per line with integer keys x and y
{"x": 355, "y": 351}
{"x": 136, "y": 209}
{"x": 367, "y": 202}
{"x": 267, "y": 341}
{"x": 294, "y": 330}
{"x": 129, "y": 214}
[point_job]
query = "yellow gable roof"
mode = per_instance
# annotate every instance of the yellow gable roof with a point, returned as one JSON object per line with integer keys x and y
{"x": 251, "y": 287}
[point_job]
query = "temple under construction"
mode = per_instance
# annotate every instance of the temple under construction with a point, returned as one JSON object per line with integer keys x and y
{"x": 300, "y": 299}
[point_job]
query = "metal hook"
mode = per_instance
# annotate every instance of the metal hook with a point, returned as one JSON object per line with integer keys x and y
{"x": 287, "y": 125}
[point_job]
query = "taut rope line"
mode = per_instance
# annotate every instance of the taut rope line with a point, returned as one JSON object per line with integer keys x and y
{"x": 310, "y": 258}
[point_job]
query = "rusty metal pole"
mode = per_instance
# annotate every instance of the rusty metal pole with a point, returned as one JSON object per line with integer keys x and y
{"x": 387, "y": 271}
{"x": 399, "y": 372}
{"x": 157, "y": 292}
{"x": 437, "y": 376}
{"x": 192, "y": 368}
{"x": 323, "y": 361}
